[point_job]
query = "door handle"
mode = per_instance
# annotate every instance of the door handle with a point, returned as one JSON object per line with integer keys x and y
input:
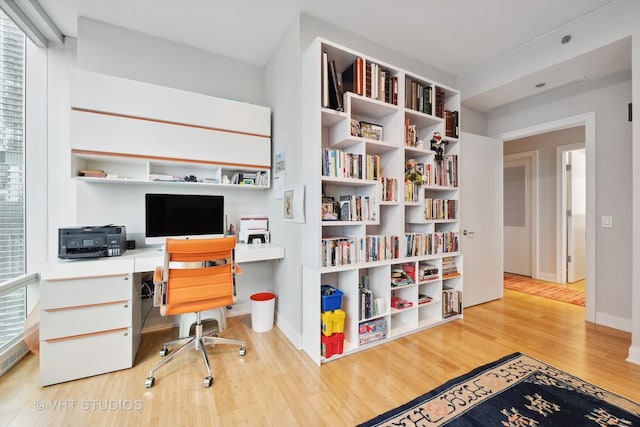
{"x": 468, "y": 233}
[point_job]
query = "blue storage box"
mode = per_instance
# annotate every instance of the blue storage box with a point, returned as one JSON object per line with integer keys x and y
{"x": 331, "y": 298}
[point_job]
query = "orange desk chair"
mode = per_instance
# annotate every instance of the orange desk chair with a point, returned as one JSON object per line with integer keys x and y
{"x": 198, "y": 275}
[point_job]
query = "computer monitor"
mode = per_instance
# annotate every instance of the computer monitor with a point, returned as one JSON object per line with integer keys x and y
{"x": 183, "y": 216}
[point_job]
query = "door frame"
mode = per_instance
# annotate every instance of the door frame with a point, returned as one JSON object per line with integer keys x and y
{"x": 588, "y": 120}
{"x": 561, "y": 224}
{"x": 532, "y": 156}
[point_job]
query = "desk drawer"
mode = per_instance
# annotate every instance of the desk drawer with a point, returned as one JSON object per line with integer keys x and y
{"x": 63, "y": 323}
{"x": 85, "y": 291}
{"x": 84, "y": 356}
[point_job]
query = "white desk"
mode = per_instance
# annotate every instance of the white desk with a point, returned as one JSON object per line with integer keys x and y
{"x": 90, "y": 310}
{"x": 146, "y": 259}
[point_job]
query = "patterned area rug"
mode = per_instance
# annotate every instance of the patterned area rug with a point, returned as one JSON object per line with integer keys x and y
{"x": 517, "y": 391}
{"x": 533, "y": 287}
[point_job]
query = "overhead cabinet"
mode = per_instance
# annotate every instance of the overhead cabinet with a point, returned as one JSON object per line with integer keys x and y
{"x": 138, "y": 131}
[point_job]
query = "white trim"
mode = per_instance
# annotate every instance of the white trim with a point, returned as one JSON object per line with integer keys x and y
{"x": 634, "y": 354}
{"x": 588, "y": 120}
{"x": 534, "y": 202}
{"x": 561, "y": 204}
{"x": 614, "y": 322}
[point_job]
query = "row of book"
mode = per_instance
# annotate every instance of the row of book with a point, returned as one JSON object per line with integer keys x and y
{"x": 442, "y": 173}
{"x": 439, "y": 242}
{"x": 410, "y": 134}
{"x": 369, "y": 79}
{"x": 388, "y": 189}
{"x": 419, "y": 97}
{"x": 451, "y": 302}
{"x": 345, "y": 250}
{"x": 446, "y": 172}
{"x": 449, "y": 267}
{"x": 367, "y": 303}
{"x": 250, "y": 178}
{"x": 411, "y": 191}
{"x": 339, "y": 164}
{"x": 452, "y": 123}
{"x": 332, "y": 90}
{"x": 427, "y": 272}
{"x": 357, "y": 208}
{"x": 435, "y": 209}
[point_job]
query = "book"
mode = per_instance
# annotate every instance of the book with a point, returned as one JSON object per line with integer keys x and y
{"x": 345, "y": 208}
{"x": 325, "y": 80}
{"x": 335, "y": 89}
{"x": 93, "y": 173}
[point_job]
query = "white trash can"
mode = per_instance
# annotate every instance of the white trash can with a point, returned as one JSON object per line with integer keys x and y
{"x": 262, "y": 307}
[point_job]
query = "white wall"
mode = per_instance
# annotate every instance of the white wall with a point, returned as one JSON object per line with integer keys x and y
{"x": 283, "y": 96}
{"x": 609, "y": 99}
{"x": 121, "y": 52}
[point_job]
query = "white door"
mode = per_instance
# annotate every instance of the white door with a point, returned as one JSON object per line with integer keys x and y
{"x": 481, "y": 218}
{"x": 517, "y": 215}
{"x": 576, "y": 203}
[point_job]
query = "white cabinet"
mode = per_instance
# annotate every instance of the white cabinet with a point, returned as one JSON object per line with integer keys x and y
{"x": 89, "y": 323}
{"x": 142, "y": 133}
{"x": 382, "y": 222}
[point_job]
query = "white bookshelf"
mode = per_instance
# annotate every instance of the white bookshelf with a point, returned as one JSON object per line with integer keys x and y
{"x": 325, "y": 129}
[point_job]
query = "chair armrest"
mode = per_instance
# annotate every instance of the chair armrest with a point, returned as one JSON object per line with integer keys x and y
{"x": 159, "y": 291}
{"x": 157, "y": 275}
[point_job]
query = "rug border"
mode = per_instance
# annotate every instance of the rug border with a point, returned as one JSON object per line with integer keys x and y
{"x": 392, "y": 413}
{"x": 402, "y": 408}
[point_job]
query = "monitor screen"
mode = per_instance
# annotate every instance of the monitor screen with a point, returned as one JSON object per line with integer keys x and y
{"x": 183, "y": 216}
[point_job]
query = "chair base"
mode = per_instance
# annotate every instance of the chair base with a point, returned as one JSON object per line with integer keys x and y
{"x": 198, "y": 342}
{"x": 187, "y": 320}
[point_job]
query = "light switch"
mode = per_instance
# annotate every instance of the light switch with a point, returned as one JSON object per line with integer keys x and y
{"x": 607, "y": 221}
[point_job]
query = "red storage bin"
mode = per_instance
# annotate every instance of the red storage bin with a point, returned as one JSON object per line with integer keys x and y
{"x": 333, "y": 344}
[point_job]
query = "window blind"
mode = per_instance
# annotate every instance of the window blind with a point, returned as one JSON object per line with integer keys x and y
{"x": 12, "y": 188}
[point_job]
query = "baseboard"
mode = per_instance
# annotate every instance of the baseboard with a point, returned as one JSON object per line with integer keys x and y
{"x": 614, "y": 322}
{"x": 546, "y": 277}
{"x": 634, "y": 354}
{"x": 292, "y": 335}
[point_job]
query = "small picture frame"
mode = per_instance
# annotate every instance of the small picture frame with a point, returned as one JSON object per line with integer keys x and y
{"x": 328, "y": 211}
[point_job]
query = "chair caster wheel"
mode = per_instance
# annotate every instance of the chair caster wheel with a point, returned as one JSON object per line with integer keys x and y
{"x": 164, "y": 351}
{"x": 243, "y": 351}
{"x": 208, "y": 381}
{"x": 148, "y": 383}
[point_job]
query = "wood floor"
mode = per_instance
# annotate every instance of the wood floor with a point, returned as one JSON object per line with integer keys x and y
{"x": 277, "y": 385}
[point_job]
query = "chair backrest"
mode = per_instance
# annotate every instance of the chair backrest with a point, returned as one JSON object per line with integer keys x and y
{"x": 199, "y": 274}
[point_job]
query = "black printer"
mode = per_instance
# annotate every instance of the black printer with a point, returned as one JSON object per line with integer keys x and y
{"x": 92, "y": 241}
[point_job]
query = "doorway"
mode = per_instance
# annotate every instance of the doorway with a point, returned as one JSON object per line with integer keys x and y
{"x": 548, "y": 254}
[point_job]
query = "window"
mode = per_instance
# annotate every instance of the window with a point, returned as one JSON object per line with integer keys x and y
{"x": 12, "y": 177}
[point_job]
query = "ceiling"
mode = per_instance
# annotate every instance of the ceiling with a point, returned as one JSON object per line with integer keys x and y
{"x": 455, "y": 36}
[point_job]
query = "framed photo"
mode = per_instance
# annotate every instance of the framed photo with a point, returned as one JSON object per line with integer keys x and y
{"x": 328, "y": 211}
{"x": 288, "y": 204}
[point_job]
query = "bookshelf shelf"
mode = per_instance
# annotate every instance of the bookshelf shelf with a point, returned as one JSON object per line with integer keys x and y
{"x": 371, "y": 134}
